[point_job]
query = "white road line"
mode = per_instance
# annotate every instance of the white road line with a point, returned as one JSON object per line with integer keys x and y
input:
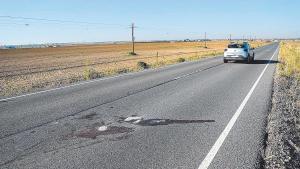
{"x": 73, "y": 85}
{"x": 215, "y": 148}
{"x": 83, "y": 83}
{"x": 96, "y": 80}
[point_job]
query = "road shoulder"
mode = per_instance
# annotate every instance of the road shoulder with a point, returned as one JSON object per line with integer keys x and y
{"x": 283, "y": 129}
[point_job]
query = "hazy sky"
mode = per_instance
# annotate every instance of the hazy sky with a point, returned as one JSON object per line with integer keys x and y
{"x": 109, "y": 20}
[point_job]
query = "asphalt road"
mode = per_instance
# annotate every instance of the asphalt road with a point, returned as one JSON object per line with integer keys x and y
{"x": 179, "y": 112}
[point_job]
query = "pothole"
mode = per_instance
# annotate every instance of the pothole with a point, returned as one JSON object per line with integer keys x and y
{"x": 156, "y": 122}
{"x": 102, "y": 130}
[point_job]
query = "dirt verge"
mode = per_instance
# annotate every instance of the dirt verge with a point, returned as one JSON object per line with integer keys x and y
{"x": 283, "y": 128}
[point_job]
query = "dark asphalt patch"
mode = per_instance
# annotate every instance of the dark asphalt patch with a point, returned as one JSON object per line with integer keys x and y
{"x": 158, "y": 122}
{"x": 93, "y": 132}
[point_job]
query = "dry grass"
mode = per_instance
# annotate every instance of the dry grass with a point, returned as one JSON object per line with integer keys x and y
{"x": 26, "y": 70}
{"x": 290, "y": 59}
{"x": 283, "y": 129}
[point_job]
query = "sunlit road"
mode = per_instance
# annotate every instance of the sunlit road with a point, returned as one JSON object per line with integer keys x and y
{"x": 178, "y": 114}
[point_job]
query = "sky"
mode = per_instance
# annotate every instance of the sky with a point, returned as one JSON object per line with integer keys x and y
{"x": 109, "y": 20}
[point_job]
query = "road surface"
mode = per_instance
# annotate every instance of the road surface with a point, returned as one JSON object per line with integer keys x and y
{"x": 190, "y": 115}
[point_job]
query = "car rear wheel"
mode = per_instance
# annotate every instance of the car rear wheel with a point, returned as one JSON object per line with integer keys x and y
{"x": 225, "y": 61}
{"x": 249, "y": 59}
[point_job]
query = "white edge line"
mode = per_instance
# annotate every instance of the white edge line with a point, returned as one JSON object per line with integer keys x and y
{"x": 215, "y": 148}
{"x": 100, "y": 79}
{"x": 73, "y": 85}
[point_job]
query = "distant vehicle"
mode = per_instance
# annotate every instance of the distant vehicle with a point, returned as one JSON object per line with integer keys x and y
{"x": 239, "y": 51}
{"x": 10, "y": 47}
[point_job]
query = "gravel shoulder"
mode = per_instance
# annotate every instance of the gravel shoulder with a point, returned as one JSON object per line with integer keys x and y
{"x": 283, "y": 128}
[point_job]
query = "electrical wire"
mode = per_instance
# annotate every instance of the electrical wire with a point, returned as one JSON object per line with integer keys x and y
{"x": 59, "y": 21}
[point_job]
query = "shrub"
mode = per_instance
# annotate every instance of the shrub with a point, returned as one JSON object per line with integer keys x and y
{"x": 122, "y": 70}
{"x": 157, "y": 64}
{"x": 90, "y": 73}
{"x": 142, "y": 65}
{"x": 180, "y": 60}
{"x": 132, "y": 53}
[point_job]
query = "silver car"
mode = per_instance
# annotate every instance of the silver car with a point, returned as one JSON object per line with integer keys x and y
{"x": 239, "y": 51}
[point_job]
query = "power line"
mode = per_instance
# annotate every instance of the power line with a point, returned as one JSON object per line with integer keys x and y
{"x": 59, "y": 21}
{"x": 90, "y": 23}
{"x": 96, "y": 25}
{"x": 11, "y": 23}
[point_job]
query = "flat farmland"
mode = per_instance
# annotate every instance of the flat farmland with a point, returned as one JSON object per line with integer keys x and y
{"x": 27, "y": 70}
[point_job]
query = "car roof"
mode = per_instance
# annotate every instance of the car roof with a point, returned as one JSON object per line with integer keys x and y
{"x": 236, "y": 44}
{"x": 232, "y": 43}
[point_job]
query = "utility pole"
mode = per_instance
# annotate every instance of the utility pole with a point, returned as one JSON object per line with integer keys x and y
{"x": 205, "y": 40}
{"x": 132, "y": 37}
{"x": 229, "y": 37}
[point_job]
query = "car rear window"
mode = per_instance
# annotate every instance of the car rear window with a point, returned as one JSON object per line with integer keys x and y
{"x": 236, "y": 46}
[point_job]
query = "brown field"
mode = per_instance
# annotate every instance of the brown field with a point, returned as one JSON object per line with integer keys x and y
{"x": 26, "y": 70}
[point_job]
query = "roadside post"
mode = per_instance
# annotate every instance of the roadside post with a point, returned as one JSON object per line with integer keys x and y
{"x": 157, "y": 58}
